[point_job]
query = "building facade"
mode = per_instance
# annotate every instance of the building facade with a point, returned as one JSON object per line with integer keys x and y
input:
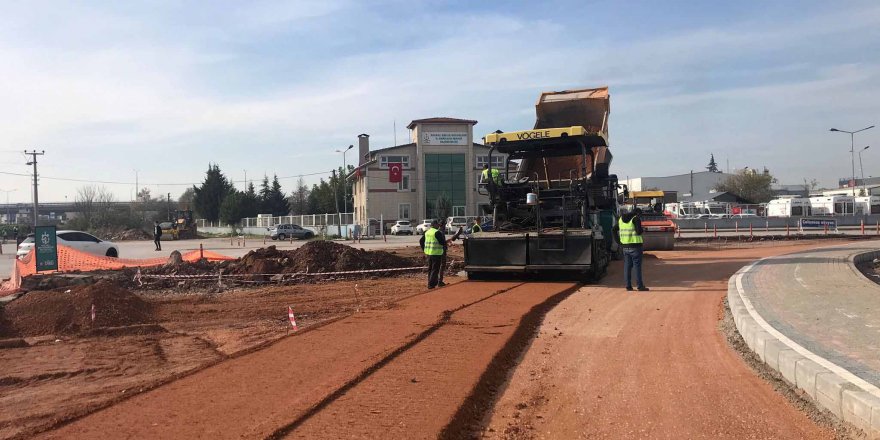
{"x": 441, "y": 161}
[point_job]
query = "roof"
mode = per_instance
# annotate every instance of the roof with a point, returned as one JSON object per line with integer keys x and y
{"x": 381, "y": 150}
{"x": 440, "y": 120}
{"x": 701, "y": 197}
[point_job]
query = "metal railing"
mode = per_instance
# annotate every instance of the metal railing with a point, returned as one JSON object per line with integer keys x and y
{"x": 309, "y": 220}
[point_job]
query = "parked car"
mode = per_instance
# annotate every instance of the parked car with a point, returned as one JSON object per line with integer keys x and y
{"x": 287, "y": 230}
{"x": 454, "y": 223}
{"x": 401, "y": 227}
{"x": 81, "y": 241}
{"x": 424, "y": 226}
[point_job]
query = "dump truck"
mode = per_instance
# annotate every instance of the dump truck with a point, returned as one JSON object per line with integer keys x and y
{"x": 659, "y": 229}
{"x": 554, "y": 203}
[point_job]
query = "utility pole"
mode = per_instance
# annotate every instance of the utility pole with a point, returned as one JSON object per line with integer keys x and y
{"x": 33, "y": 162}
{"x": 168, "y": 199}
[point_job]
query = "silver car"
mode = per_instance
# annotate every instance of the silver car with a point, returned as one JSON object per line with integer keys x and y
{"x": 285, "y": 231}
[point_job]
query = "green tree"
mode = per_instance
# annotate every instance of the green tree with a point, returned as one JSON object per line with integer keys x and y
{"x": 208, "y": 197}
{"x": 712, "y": 167}
{"x": 276, "y": 201}
{"x": 749, "y": 186}
{"x": 232, "y": 208}
{"x": 250, "y": 202}
{"x": 265, "y": 190}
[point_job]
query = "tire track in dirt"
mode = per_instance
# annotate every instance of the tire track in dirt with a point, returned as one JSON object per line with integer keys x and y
{"x": 444, "y": 320}
{"x": 445, "y": 384}
{"x": 276, "y": 386}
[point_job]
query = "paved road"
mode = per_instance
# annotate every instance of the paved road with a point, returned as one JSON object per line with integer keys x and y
{"x": 816, "y": 299}
{"x": 613, "y": 364}
{"x": 146, "y": 249}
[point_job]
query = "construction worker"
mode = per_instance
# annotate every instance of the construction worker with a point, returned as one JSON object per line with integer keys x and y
{"x": 157, "y": 235}
{"x": 496, "y": 175}
{"x": 433, "y": 243}
{"x": 476, "y": 227}
{"x": 628, "y": 232}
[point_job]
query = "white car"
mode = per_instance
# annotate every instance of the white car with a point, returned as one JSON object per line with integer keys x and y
{"x": 78, "y": 240}
{"x": 424, "y": 226}
{"x": 401, "y": 227}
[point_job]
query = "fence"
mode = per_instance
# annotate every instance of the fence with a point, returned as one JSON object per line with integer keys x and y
{"x": 310, "y": 221}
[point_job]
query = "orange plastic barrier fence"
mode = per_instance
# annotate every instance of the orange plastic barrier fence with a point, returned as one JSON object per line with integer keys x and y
{"x": 70, "y": 259}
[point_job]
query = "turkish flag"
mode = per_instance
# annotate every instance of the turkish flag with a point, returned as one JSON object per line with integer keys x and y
{"x": 395, "y": 172}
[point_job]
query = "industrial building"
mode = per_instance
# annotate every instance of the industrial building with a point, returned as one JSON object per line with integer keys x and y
{"x": 440, "y": 161}
{"x": 690, "y": 187}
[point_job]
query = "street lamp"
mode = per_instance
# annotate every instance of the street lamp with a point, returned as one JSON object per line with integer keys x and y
{"x": 852, "y": 155}
{"x": 344, "y": 172}
{"x": 862, "y": 171}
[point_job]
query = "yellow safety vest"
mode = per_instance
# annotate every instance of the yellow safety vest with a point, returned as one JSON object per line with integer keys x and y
{"x": 628, "y": 233}
{"x": 496, "y": 176}
{"x": 432, "y": 246}
{"x": 475, "y": 229}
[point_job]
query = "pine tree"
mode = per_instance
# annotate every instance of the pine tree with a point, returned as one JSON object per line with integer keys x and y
{"x": 250, "y": 202}
{"x": 208, "y": 197}
{"x": 712, "y": 167}
{"x": 276, "y": 202}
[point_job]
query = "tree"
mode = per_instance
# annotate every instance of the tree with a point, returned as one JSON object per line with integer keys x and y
{"x": 231, "y": 209}
{"x": 186, "y": 199}
{"x": 712, "y": 167}
{"x": 749, "y": 186}
{"x": 208, "y": 197}
{"x": 321, "y": 198}
{"x": 299, "y": 198}
{"x": 274, "y": 201}
{"x": 442, "y": 207}
{"x": 86, "y": 206}
{"x": 250, "y": 202}
{"x": 810, "y": 185}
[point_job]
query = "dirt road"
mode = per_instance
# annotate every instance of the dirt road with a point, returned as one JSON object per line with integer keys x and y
{"x": 614, "y": 364}
{"x": 410, "y": 367}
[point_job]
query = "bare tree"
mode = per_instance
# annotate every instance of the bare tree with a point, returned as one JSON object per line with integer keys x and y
{"x": 85, "y": 203}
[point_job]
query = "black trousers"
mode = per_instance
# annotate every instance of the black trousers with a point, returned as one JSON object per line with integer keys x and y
{"x": 158, "y": 243}
{"x": 435, "y": 266}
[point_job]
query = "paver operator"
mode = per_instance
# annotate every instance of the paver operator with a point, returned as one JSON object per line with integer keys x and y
{"x": 433, "y": 243}
{"x": 496, "y": 175}
{"x": 628, "y": 232}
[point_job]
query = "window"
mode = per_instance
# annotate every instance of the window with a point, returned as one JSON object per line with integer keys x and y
{"x": 403, "y": 211}
{"x": 385, "y": 160}
{"x": 497, "y": 161}
{"x": 445, "y": 178}
{"x": 403, "y": 185}
{"x": 458, "y": 210}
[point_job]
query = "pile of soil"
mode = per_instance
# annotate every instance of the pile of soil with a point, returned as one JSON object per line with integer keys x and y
{"x": 69, "y": 311}
{"x": 318, "y": 256}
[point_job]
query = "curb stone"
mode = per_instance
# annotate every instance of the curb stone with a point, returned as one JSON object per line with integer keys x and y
{"x": 826, "y": 388}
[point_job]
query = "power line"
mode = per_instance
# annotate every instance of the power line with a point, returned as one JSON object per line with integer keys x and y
{"x": 113, "y": 182}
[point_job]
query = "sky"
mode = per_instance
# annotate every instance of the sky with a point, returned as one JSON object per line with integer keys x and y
{"x": 119, "y": 92}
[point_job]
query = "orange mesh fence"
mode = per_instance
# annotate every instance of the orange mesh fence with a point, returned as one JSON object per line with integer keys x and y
{"x": 70, "y": 259}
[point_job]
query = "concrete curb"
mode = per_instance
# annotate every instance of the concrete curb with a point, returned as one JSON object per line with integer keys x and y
{"x": 830, "y": 386}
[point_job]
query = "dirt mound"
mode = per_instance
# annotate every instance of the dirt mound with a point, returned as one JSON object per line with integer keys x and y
{"x": 69, "y": 312}
{"x": 117, "y": 234}
{"x": 318, "y": 256}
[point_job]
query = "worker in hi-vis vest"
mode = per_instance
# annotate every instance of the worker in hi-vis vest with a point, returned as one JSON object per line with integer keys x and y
{"x": 628, "y": 232}
{"x": 496, "y": 175}
{"x": 476, "y": 227}
{"x": 433, "y": 243}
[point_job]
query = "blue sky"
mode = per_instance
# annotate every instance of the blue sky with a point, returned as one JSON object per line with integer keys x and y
{"x": 161, "y": 87}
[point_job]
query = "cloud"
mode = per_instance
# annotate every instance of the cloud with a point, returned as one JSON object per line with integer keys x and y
{"x": 166, "y": 89}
